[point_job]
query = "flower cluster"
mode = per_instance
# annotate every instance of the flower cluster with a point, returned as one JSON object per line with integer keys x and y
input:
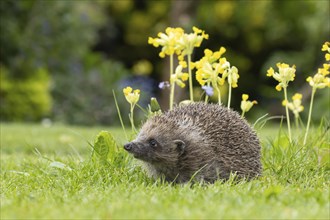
{"x": 168, "y": 41}
{"x": 210, "y": 67}
{"x": 246, "y": 105}
{"x": 320, "y": 80}
{"x": 295, "y": 106}
{"x": 232, "y": 76}
{"x": 284, "y": 75}
{"x": 187, "y": 42}
{"x": 326, "y": 47}
{"x": 178, "y": 77}
{"x": 131, "y": 96}
{"x": 175, "y": 41}
{"x": 213, "y": 70}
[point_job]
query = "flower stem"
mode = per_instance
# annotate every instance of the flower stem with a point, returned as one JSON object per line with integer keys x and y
{"x": 297, "y": 121}
{"x": 243, "y": 112}
{"x": 229, "y": 96}
{"x": 309, "y": 115}
{"x": 190, "y": 80}
{"x": 219, "y": 95}
{"x": 132, "y": 118}
{"x": 172, "y": 95}
{"x": 287, "y": 114}
{"x": 206, "y": 98}
{"x": 172, "y": 83}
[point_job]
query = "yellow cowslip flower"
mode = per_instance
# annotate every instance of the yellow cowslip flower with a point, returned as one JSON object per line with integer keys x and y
{"x": 210, "y": 66}
{"x": 131, "y": 96}
{"x": 232, "y": 76}
{"x": 209, "y": 57}
{"x": 320, "y": 80}
{"x": 327, "y": 56}
{"x": 295, "y": 106}
{"x": 326, "y": 47}
{"x": 209, "y": 70}
{"x": 187, "y": 42}
{"x": 183, "y": 63}
{"x": 245, "y": 104}
{"x": 325, "y": 70}
{"x": 222, "y": 66}
{"x": 207, "y": 73}
{"x": 168, "y": 41}
{"x": 284, "y": 75}
{"x": 192, "y": 65}
{"x": 179, "y": 77}
{"x": 200, "y": 76}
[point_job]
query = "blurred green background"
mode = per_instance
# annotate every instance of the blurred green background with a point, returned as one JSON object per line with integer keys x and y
{"x": 61, "y": 59}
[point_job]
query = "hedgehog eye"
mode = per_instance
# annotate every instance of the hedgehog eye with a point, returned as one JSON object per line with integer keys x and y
{"x": 153, "y": 143}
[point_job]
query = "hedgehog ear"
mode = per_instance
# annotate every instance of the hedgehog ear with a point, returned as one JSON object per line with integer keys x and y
{"x": 180, "y": 146}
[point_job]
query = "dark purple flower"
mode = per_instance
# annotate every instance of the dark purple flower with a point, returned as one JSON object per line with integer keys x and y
{"x": 208, "y": 90}
{"x": 163, "y": 85}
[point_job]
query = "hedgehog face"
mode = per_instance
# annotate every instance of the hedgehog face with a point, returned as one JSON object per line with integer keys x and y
{"x": 156, "y": 149}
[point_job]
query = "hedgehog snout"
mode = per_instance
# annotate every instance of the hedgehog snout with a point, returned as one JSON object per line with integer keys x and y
{"x": 128, "y": 146}
{"x": 138, "y": 150}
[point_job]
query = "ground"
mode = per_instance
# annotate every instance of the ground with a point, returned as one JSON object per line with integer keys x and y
{"x": 49, "y": 173}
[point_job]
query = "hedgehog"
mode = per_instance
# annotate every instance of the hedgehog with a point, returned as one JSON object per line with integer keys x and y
{"x": 198, "y": 141}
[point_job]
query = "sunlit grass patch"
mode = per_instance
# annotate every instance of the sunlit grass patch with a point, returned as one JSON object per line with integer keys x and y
{"x": 61, "y": 182}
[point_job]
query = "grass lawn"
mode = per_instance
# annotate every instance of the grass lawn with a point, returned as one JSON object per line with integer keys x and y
{"x": 48, "y": 173}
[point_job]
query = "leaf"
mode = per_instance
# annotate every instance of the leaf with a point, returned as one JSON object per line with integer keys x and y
{"x": 105, "y": 145}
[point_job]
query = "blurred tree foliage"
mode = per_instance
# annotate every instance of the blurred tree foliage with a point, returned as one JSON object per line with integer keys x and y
{"x": 25, "y": 99}
{"x": 38, "y": 33}
{"x": 56, "y": 36}
{"x": 80, "y": 43}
